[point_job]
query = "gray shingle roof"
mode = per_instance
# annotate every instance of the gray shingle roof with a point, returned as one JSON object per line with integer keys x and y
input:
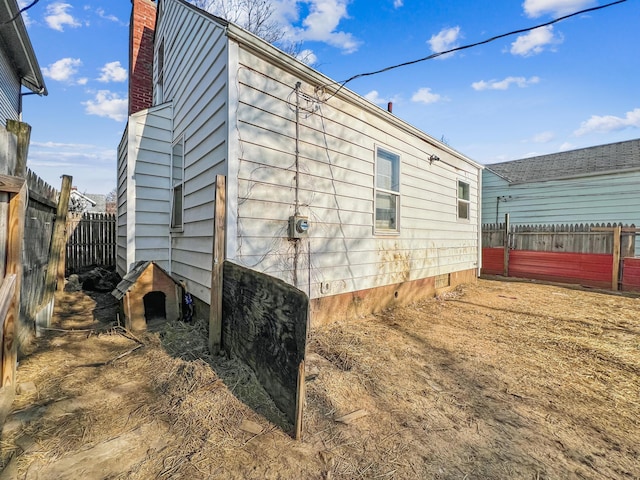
{"x": 575, "y": 163}
{"x": 130, "y": 279}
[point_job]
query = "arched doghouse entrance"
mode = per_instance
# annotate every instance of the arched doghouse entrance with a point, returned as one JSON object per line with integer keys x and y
{"x": 155, "y": 307}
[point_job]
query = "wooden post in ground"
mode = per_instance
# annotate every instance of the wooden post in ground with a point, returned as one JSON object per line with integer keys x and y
{"x": 17, "y": 209}
{"x": 617, "y": 249}
{"x": 58, "y": 242}
{"x": 215, "y": 313}
{"x": 615, "y": 274}
{"x": 507, "y": 228}
{"x": 22, "y": 132}
{"x": 300, "y": 396}
{"x": 62, "y": 263}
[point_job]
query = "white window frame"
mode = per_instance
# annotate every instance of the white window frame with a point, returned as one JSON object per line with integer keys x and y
{"x": 176, "y": 177}
{"x": 160, "y": 78}
{"x": 461, "y": 200}
{"x": 393, "y": 191}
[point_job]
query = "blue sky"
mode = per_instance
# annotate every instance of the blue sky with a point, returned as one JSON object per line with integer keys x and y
{"x": 572, "y": 85}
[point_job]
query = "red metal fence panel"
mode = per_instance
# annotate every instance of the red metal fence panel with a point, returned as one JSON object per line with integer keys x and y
{"x": 592, "y": 269}
{"x": 631, "y": 275}
{"x": 492, "y": 261}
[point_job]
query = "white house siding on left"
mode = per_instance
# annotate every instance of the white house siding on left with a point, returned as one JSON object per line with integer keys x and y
{"x": 144, "y": 188}
{"x": 121, "y": 187}
{"x": 196, "y": 78}
{"x": 338, "y": 138}
{"x": 9, "y": 90}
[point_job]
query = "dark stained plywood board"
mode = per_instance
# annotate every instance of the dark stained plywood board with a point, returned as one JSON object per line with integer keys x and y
{"x": 265, "y": 325}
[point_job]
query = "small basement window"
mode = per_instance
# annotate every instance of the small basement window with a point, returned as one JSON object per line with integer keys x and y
{"x": 442, "y": 281}
{"x": 463, "y": 201}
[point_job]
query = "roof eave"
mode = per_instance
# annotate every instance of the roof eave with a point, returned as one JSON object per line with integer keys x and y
{"x": 264, "y": 49}
{"x": 22, "y": 53}
{"x": 572, "y": 177}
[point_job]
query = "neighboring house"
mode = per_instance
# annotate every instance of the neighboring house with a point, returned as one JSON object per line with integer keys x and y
{"x": 590, "y": 185}
{"x": 392, "y": 213}
{"x": 18, "y": 64}
{"x": 80, "y": 203}
{"x": 100, "y": 202}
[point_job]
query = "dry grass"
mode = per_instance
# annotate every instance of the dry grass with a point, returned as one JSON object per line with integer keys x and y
{"x": 498, "y": 380}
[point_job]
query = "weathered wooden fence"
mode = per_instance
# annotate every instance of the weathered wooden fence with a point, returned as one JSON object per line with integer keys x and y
{"x": 28, "y": 216}
{"x": 38, "y": 229}
{"x": 596, "y": 255}
{"x": 91, "y": 241}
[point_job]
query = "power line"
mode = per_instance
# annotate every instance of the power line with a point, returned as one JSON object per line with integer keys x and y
{"x": 24, "y": 9}
{"x": 464, "y": 47}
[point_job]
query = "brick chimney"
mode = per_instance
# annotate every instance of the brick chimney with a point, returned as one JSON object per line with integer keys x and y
{"x": 141, "y": 34}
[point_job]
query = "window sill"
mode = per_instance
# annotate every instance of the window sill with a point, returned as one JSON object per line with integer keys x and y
{"x": 386, "y": 233}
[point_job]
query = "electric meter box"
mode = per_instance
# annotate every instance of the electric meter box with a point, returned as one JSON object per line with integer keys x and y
{"x": 298, "y": 226}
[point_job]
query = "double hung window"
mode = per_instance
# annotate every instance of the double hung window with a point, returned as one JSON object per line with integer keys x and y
{"x": 463, "y": 201}
{"x": 177, "y": 184}
{"x": 387, "y": 202}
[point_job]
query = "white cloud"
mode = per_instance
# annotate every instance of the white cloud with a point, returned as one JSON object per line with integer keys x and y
{"x": 82, "y": 81}
{"x": 504, "y": 84}
{"x": 544, "y": 137}
{"x": 63, "y": 70}
{"x": 566, "y": 146}
{"x": 107, "y": 104}
{"x": 537, "y": 8}
{"x": 535, "y": 41}
{"x": 307, "y": 57}
{"x": 609, "y": 123}
{"x": 321, "y": 23}
{"x": 398, "y": 3}
{"x": 25, "y": 15}
{"x": 374, "y": 97}
{"x": 113, "y": 72}
{"x": 57, "y": 16}
{"x": 424, "y": 95}
{"x": 445, "y": 39}
{"x": 92, "y": 166}
{"x": 102, "y": 14}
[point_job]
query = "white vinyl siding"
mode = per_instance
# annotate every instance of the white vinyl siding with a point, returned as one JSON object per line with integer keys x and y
{"x": 9, "y": 90}
{"x": 195, "y": 80}
{"x": 144, "y": 188}
{"x": 337, "y": 191}
{"x": 121, "y": 215}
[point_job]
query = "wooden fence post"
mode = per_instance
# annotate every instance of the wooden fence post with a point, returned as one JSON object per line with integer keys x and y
{"x": 22, "y": 132}
{"x": 215, "y": 313}
{"x": 300, "y": 396}
{"x": 615, "y": 274}
{"x": 17, "y": 209}
{"x": 507, "y": 233}
{"x": 58, "y": 242}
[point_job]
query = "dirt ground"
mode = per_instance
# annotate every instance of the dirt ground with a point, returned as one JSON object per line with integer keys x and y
{"x": 490, "y": 381}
